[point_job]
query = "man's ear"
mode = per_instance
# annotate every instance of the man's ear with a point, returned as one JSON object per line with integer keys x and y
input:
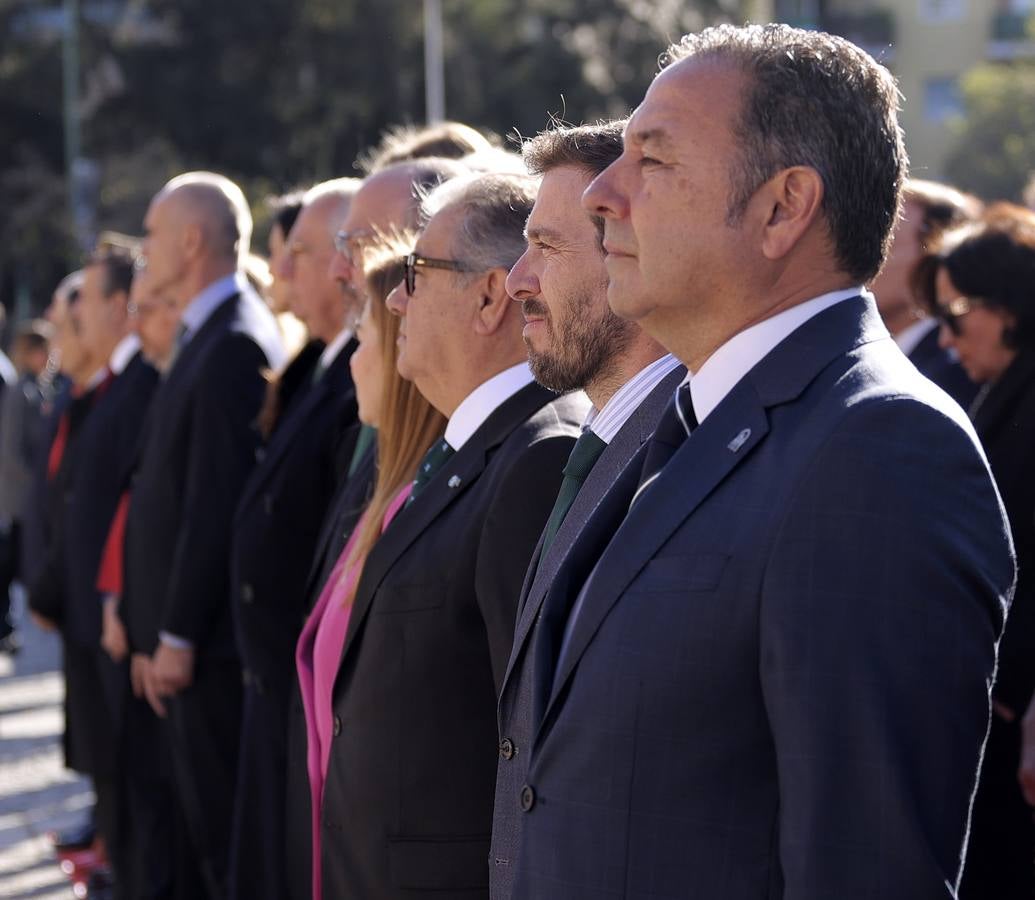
{"x": 493, "y": 301}
{"x": 193, "y": 239}
{"x": 791, "y": 201}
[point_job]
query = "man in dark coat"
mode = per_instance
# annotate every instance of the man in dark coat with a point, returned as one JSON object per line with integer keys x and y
{"x": 196, "y": 456}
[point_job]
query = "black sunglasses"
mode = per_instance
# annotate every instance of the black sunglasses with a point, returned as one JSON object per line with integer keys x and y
{"x": 950, "y": 313}
{"x": 413, "y": 261}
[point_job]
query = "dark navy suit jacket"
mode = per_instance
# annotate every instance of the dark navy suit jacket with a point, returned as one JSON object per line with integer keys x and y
{"x": 777, "y": 681}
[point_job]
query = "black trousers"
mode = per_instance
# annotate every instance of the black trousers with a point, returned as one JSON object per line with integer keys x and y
{"x": 1001, "y": 852}
{"x": 181, "y": 787}
{"x": 257, "y": 863}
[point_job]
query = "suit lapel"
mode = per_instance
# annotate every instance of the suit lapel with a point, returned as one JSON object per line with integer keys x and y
{"x": 455, "y": 478}
{"x": 298, "y": 415}
{"x": 633, "y": 434}
{"x": 726, "y": 438}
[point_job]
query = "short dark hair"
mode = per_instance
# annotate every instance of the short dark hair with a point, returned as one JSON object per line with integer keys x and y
{"x": 117, "y": 263}
{"x": 816, "y": 100}
{"x": 589, "y": 147}
{"x": 449, "y": 140}
{"x": 993, "y": 260}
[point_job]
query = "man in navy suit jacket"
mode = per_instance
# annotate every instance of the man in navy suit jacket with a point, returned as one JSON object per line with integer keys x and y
{"x": 275, "y": 530}
{"x": 757, "y": 693}
{"x": 198, "y": 450}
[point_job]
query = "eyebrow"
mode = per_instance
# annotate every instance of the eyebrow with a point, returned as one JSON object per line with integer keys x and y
{"x": 657, "y": 136}
{"x": 539, "y": 232}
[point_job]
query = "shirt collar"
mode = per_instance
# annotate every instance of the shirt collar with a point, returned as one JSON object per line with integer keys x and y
{"x": 331, "y": 351}
{"x": 910, "y": 336}
{"x": 742, "y": 352}
{"x": 204, "y": 304}
{"x": 605, "y": 423}
{"x": 124, "y": 351}
{"x": 483, "y": 401}
{"x": 96, "y": 379}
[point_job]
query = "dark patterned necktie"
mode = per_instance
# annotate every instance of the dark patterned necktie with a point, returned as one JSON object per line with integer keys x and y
{"x": 583, "y": 457}
{"x": 674, "y": 427}
{"x": 434, "y": 459}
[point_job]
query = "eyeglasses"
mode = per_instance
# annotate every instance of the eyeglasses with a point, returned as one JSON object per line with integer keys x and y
{"x": 950, "y": 313}
{"x": 414, "y": 261}
{"x": 350, "y": 243}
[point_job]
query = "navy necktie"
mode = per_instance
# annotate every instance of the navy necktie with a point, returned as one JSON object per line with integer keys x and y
{"x": 674, "y": 427}
{"x": 434, "y": 459}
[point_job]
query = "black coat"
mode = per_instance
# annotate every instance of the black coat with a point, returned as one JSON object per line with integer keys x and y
{"x": 200, "y": 447}
{"x": 104, "y": 451}
{"x": 943, "y": 369}
{"x": 408, "y": 797}
{"x": 278, "y": 521}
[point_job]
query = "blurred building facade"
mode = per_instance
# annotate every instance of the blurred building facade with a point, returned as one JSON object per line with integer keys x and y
{"x": 929, "y": 45}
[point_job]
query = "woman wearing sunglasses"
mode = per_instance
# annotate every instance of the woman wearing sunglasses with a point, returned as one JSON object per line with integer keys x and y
{"x": 981, "y": 285}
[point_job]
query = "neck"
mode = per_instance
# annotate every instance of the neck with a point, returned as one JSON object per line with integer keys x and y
{"x": 206, "y": 272}
{"x": 621, "y": 370}
{"x": 452, "y": 395}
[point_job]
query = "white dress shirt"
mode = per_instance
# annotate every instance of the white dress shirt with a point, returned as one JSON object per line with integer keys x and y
{"x": 331, "y": 351}
{"x": 200, "y": 309}
{"x": 483, "y": 401}
{"x": 742, "y": 352}
{"x": 607, "y": 422}
{"x": 123, "y": 353}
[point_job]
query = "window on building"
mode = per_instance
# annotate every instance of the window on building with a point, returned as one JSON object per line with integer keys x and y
{"x": 942, "y": 99}
{"x": 943, "y": 10}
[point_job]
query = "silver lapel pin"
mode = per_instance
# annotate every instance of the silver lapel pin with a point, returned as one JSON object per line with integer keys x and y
{"x": 739, "y": 441}
{"x": 454, "y": 481}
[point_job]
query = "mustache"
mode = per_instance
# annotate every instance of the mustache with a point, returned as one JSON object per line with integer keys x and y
{"x": 533, "y": 307}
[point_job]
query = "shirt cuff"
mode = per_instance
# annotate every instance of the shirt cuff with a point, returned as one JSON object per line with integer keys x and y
{"x": 177, "y": 643}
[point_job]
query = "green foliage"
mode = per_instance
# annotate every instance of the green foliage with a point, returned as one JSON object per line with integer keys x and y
{"x": 995, "y": 146}
{"x": 278, "y": 94}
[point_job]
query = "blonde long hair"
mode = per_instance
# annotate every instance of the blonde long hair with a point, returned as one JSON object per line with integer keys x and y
{"x": 409, "y": 424}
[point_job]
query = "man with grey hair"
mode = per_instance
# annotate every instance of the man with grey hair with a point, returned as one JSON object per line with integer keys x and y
{"x": 274, "y": 536}
{"x": 409, "y": 787}
{"x": 755, "y": 693}
{"x": 195, "y": 458}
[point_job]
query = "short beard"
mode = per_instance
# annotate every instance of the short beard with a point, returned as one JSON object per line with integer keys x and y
{"x": 583, "y": 352}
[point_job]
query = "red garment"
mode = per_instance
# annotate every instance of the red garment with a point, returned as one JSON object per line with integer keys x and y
{"x": 57, "y": 448}
{"x": 109, "y": 575}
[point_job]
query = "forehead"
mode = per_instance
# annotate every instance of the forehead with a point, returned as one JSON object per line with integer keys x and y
{"x": 690, "y": 104}
{"x": 316, "y": 215}
{"x": 382, "y": 200}
{"x": 557, "y": 203}
{"x": 438, "y": 233}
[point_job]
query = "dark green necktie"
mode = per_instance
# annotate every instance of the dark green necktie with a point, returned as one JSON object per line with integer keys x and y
{"x": 366, "y": 437}
{"x": 433, "y": 460}
{"x": 584, "y": 456}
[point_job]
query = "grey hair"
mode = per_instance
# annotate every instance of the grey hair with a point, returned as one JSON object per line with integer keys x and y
{"x": 222, "y": 206}
{"x": 496, "y": 207}
{"x": 813, "y": 99}
{"x": 341, "y": 190}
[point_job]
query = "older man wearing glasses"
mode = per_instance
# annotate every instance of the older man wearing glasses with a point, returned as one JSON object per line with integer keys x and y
{"x": 409, "y": 790}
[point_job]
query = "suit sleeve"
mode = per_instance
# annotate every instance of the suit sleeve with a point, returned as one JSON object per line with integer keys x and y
{"x": 881, "y": 609}
{"x": 220, "y": 454}
{"x": 518, "y": 511}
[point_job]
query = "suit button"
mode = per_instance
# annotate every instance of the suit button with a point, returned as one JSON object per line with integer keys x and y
{"x": 337, "y": 725}
{"x": 247, "y": 593}
{"x": 507, "y": 748}
{"x": 527, "y": 798}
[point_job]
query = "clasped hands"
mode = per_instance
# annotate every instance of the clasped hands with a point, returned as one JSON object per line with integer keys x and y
{"x": 155, "y": 678}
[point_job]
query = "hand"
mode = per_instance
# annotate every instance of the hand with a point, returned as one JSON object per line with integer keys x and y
{"x": 42, "y": 622}
{"x": 143, "y": 684}
{"x": 172, "y": 669}
{"x": 113, "y": 632}
{"x": 1026, "y": 773}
